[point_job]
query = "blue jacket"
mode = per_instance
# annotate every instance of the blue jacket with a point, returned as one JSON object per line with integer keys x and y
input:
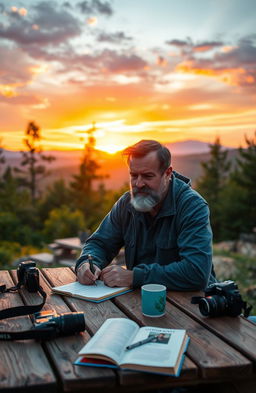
{"x": 182, "y": 257}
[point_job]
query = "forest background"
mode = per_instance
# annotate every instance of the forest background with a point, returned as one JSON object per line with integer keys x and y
{"x": 32, "y": 216}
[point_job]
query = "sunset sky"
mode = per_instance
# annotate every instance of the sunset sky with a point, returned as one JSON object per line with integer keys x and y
{"x": 140, "y": 69}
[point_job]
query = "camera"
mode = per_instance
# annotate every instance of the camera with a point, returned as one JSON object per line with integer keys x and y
{"x": 28, "y": 275}
{"x": 221, "y": 298}
{"x": 57, "y": 325}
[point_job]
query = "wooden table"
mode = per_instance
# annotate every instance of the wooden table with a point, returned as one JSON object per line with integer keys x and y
{"x": 221, "y": 350}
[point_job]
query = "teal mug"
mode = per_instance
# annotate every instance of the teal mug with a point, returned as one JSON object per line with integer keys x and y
{"x": 153, "y": 300}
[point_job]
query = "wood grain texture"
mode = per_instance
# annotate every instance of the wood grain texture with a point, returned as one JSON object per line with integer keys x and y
{"x": 236, "y": 331}
{"x": 214, "y": 357}
{"x": 23, "y": 364}
{"x": 63, "y": 351}
{"x": 221, "y": 350}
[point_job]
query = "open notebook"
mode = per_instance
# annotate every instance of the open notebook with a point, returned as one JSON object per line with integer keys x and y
{"x": 93, "y": 293}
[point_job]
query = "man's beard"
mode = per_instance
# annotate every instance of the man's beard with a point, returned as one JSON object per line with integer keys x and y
{"x": 144, "y": 203}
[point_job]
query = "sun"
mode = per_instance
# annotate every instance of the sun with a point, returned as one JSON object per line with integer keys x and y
{"x": 111, "y": 149}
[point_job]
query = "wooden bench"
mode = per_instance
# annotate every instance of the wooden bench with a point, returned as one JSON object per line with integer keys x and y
{"x": 44, "y": 258}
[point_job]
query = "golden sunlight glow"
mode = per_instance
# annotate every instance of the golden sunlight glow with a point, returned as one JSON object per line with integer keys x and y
{"x": 112, "y": 149}
{"x": 8, "y": 91}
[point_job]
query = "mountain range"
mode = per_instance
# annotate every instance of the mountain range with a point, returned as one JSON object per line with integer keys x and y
{"x": 186, "y": 159}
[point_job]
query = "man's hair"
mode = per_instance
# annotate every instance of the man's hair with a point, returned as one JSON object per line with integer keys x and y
{"x": 143, "y": 147}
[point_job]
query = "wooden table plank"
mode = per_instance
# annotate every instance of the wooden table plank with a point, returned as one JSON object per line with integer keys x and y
{"x": 96, "y": 314}
{"x": 215, "y": 358}
{"x": 237, "y": 332}
{"x": 23, "y": 364}
{"x": 63, "y": 350}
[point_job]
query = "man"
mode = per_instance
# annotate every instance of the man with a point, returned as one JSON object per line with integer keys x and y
{"x": 162, "y": 223}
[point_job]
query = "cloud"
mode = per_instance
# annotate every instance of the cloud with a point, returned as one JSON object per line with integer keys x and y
{"x": 206, "y": 46}
{"x": 55, "y": 25}
{"x": 95, "y": 6}
{"x": 235, "y": 66}
{"x": 23, "y": 99}
{"x": 105, "y": 61}
{"x": 178, "y": 43}
{"x": 114, "y": 38}
{"x": 189, "y": 46}
{"x": 115, "y": 62}
{"x": 11, "y": 74}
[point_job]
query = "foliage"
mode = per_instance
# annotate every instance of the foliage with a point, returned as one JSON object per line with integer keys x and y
{"x": 8, "y": 252}
{"x": 57, "y": 192}
{"x": 245, "y": 178}
{"x": 63, "y": 222}
{"x": 2, "y": 157}
{"x": 244, "y": 276}
{"x": 237, "y": 205}
{"x": 13, "y": 229}
{"x": 212, "y": 183}
{"x": 33, "y": 171}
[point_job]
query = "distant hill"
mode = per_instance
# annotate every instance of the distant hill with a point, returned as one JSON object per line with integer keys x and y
{"x": 67, "y": 163}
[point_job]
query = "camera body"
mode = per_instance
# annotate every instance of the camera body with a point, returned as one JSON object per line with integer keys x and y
{"x": 221, "y": 299}
{"x": 58, "y": 325}
{"x": 28, "y": 275}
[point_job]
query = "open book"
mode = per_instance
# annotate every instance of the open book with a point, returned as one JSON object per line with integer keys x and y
{"x": 164, "y": 354}
{"x": 94, "y": 293}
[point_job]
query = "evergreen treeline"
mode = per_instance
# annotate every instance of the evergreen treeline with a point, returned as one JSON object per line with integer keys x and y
{"x": 29, "y": 219}
{"x": 230, "y": 191}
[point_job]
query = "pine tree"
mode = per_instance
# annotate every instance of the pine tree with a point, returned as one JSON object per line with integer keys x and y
{"x": 213, "y": 181}
{"x": 245, "y": 177}
{"x": 2, "y": 157}
{"x": 33, "y": 171}
{"x": 84, "y": 196}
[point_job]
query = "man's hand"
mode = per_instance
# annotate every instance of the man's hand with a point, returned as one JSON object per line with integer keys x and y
{"x": 85, "y": 276}
{"x": 116, "y": 276}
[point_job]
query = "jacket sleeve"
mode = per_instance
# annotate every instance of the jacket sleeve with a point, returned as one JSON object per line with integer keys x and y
{"x": 194, "y": 240}
{"x": 105, "y": 243}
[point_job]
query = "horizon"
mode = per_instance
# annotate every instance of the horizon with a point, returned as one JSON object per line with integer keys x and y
{"x": 188, "y": 145}
{"x": 133, "y": 70}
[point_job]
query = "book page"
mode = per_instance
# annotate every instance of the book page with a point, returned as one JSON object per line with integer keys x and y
{"x": 95, "y": 292}
{"x": 111, "y": 339}
{"x": 162, "y": 352}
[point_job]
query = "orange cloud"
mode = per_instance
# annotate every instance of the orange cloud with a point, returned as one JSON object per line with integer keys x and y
{"x": 230, "y": 76}
{"x": 22, "y": 11}
{"x": 202, "y": 48}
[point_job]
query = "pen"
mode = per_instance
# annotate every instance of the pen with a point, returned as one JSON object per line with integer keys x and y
{"x": 92, "y": 268}
{"x": 139, "y": 343}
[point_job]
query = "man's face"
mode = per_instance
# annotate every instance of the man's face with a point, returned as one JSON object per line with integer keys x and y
{"x": 148, "y": 184}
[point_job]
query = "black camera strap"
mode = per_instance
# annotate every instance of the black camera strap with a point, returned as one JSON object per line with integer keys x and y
{"x": 21, "y": 310}
{"x": 37, "y": 334}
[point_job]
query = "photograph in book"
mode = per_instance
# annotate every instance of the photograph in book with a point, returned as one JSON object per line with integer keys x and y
{"x": 122, "y": 343}
{"x": 93, "y": 293}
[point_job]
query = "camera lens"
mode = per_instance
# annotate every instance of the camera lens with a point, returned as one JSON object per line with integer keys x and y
{"x": 70, "y": 323}
{"x": 213, "y": 306}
